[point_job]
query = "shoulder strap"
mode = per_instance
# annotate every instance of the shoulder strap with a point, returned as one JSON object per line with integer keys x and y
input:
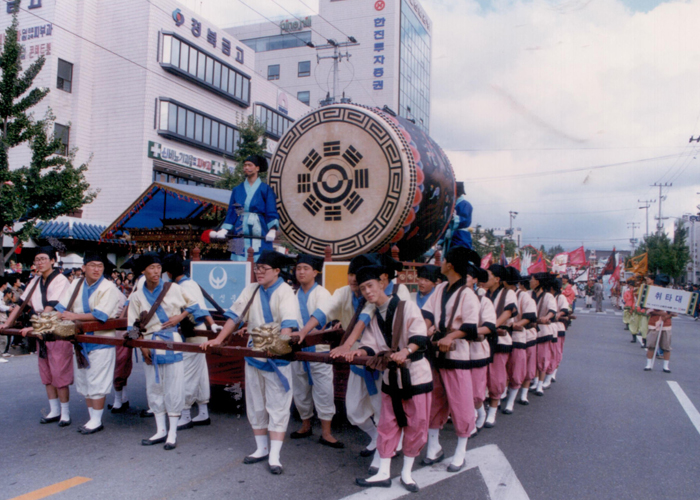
{"x": 211, "y": 300}
{"x": 353, "y": 321}
{"x": 75, "y": 295}
{"x": 25, "y": 303}
{"x": 455, "y": 306}
{"x": 397, "y": 327}
{"x": 247, "y": 306}
{"x": 147, "y": 318}
{"x": 541, "y": 308}
{"x": 501, "y": 303}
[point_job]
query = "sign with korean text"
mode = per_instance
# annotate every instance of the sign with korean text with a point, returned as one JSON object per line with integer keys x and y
{"x": 223, "y": 280}
{"x": 212, "y": 38}
{"x": 170, "y": 155}
{"x": 667, "y": 299}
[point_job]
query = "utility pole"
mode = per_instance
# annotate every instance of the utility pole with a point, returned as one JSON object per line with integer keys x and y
{"x": 660, "y": 225}
{"x": 633, "y": 240}
{"x": 647, "y": 204}
{"x": 337, "y": 58}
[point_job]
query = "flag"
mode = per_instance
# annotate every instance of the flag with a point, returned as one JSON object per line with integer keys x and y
{"x": 582, "y": 278}
{"x": 577, "y": 257}
{"x": 559, "y": 262}
{"x": 610, "y": 265}
{"x": 515, "y": 262}
{"x": 538, "y": 267}
{"x": 639, "y": 265}
{"x": 502, "y": 260}
{"x": 526, "y": 262}
{"x": 486, "y": 260}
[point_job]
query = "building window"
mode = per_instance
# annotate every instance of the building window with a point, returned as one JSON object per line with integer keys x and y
{"x": 196, "y": 65}
{"x": 64, "y": 81}
{"x": 304, "y": 96}
{"x": 276, "y": 124}
{"x": 176, "y": 179}
{"x": 190, "y": 126}
{"x": 273, "y": 72}
{"x": 304, "y": 68}
{"x": 277, "y": 42}
{"x": 62, "y": 133}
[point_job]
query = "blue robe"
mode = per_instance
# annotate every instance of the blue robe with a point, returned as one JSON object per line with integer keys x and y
{"x": 259, "y": 206}
{"x": 461, "y": 221}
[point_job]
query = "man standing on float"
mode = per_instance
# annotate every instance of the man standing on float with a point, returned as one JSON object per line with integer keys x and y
{"x": 458, "y": 233}
{"x": 252, "y": 211}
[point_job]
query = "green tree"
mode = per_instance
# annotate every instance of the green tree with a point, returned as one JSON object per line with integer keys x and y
{"x": 50, "y": 186}
{"x": 485, "y": 242}
{"x": 554, "y": 251}
{"x": 253, "y": 142}
{"x": 665, "y": 255}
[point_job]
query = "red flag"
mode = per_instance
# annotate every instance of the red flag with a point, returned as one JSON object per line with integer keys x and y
{"x": 515, "y": 263}
{"x": 577, "y": 257}
{"x": 610, "y": 265}
{"x": 486, "y": 260}
{"x": 538, "y": 267}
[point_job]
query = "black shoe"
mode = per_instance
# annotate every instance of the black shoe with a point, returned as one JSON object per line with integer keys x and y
{"x": 491, "y": 425}
{"x": 539, "y": 393}
{"x": 523, "y": 402}
{"x": 367, "y": 453}
{"x": 431, "y": 461}
{"x": 667, "y": 371}
{"x": 412, "y": 487}
{"x": 197, "y": 423}
{"x": 50, "y": 420}
{"x": 83, "y": 430}
{"x": 633, "y": 341}
{"x": 386, "y": 483}
{"x": 188, "y": 425}
{"x": 455, "y": 468}
{"x": 151, "y": 442}
{"x": 64, "y": 423}
{"x": 506, "y": 411}
{"x": 372, "y": 471}
{"x": 337, "y": 445}
{"x": 121, "y": 409}
{"x": 254, "y": 460}
{"x": 276, "y": 470}
{"x": 170, "y": 446}
{"x": 146, "y": 414}
{"x": 647, "y": 369}
{"x": 301, "y": 435}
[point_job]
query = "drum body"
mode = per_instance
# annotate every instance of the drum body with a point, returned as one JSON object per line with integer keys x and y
{"x": 360, "y": 180}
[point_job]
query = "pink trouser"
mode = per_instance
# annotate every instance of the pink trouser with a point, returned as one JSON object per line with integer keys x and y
{"x": 517, "y": 368}
{"x": 531, "y": 353}
{"x": 479, "y": 376}
{"x": 122, "y": 367}
{"x": 498, "y": 375}
{"x": 553, "y": 356}
{"x": 452, "y": 395}
{"x": 415, "y": 434}
{"x": 543, "y": 356}
{"x": 57, "y": 368}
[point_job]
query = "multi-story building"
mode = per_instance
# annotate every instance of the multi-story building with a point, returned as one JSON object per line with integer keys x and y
{"x": 146, "y": 90}
{"x": 692, "y": 224}
{"x": 515, "y": 234}
{"x": 389, "y": 54}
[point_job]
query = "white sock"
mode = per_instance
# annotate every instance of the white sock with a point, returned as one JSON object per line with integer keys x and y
{"x": 666, "y": 361}
{"x": 203, "y": 412}
{"x": 460, "y": 452}
{"x": 172, "y": 432}
{"x": 547, "y": 381}
{"x": 375, "y": 459}
{"x": 65, "y": 412}
{"x": 184, "y": 417}
{"x": 95, "y": 419}
{"x": 90, "y": 411}
{"x": 261, "y": 442}
{"x": 480, "y": 417}
{"x": 117, "y": 399}
{"x": 54, "y": 408}
{"x": 523, "y": 393}
{"x": 371, "y": 430}
{"x": 275, "y": 448}
{"x": 554, "y": 375}
{"x": 433, "y": 443}
{"x": 505, "y": 393}
{"x": 406, "y": 470}
{"x": 384, "y": 470}
{"x": 539, "y": 386}
{"x": 400, "y": 445}
{"x": 649, "y": 362}
{"x": 512, "y": 393}
{"x": 491, "y": 417}
{"x": 161, "y": 429}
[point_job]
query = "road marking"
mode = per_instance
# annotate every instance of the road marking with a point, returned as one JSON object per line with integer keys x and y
{"x": 53, "y": 489}
{"x": 497, "y": 472}
{"x": 686, "y": 403}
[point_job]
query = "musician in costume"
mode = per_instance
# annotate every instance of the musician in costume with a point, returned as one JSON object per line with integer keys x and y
{"x": 451, "y": 317}
{"x": 428, "y": 277}
{"x": 155, "y": 310}
{"x": 268, "y": 382}
{"x": 540, "y": 284}
{"x": 93, "y": 298}
{"x": 396, "y": 337}
{"x": 197, "y": 388}
{"x": 562, "y": 321}
{"x": 458, "y": 233}
{"x": 55, "y": 357}
{"x": 530, "y": 340}
{"x": 660, "y": 323}
{"x": 313, "y": 382}
{"x": 252, "y": 211}
{"x": 628, "y": 301}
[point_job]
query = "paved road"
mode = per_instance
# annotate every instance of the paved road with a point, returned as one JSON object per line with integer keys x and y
{"x": 606, "y": 429}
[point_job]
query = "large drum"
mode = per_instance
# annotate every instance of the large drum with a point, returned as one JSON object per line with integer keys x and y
{"x": 360, "y": 179}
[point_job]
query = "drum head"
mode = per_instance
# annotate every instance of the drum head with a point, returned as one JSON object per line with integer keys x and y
{"x": 343, "y": 177}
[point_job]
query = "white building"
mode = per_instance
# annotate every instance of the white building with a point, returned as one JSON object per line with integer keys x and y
{"x": 388, "y": 66}
{"x": 149, "y": 89}
{"x": 692, "y": 223}
{"x": 515, "y": 234}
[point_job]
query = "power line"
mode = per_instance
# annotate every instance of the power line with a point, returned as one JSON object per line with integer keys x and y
{"x": 563, "y": 149}
{"x": 298, "y": 19}
{"x": 579, "y": 213}
{"x": 309, "y": 44}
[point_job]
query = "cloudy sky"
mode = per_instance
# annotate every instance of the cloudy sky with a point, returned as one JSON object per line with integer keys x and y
{"x": 566, "y": 111}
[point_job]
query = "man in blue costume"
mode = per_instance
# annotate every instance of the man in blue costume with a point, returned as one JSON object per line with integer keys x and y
{"x": 458, "y": 233}
{"x": 252, "y": 211}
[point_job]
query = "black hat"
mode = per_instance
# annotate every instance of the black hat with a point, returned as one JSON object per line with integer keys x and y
{"x": 369, "y": 273}
{"x": 259, "y": 161}
{"x": 459, "y": 257}
{"x": 174, "y": 265}
{"x": 360, "y": 261}
{"x": 459, "y": 188}
{"x": 477, "y": 273}
{"x": 499, "y": 271}
{"x": 390, "y": 265}
{"x": 525, "y": 281}
{"x": 316, "y": 263}
{"x": 66, "y": 273}
{"x": 46, "y": 250}
{"x": 94, "y": 257}
{"x": 148, "y": 259}
{"x": 274, "y": 259}
{"x": 429, "y": 272}
{"x": 662, "y": 280}
{"x": 512, "y": 276}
